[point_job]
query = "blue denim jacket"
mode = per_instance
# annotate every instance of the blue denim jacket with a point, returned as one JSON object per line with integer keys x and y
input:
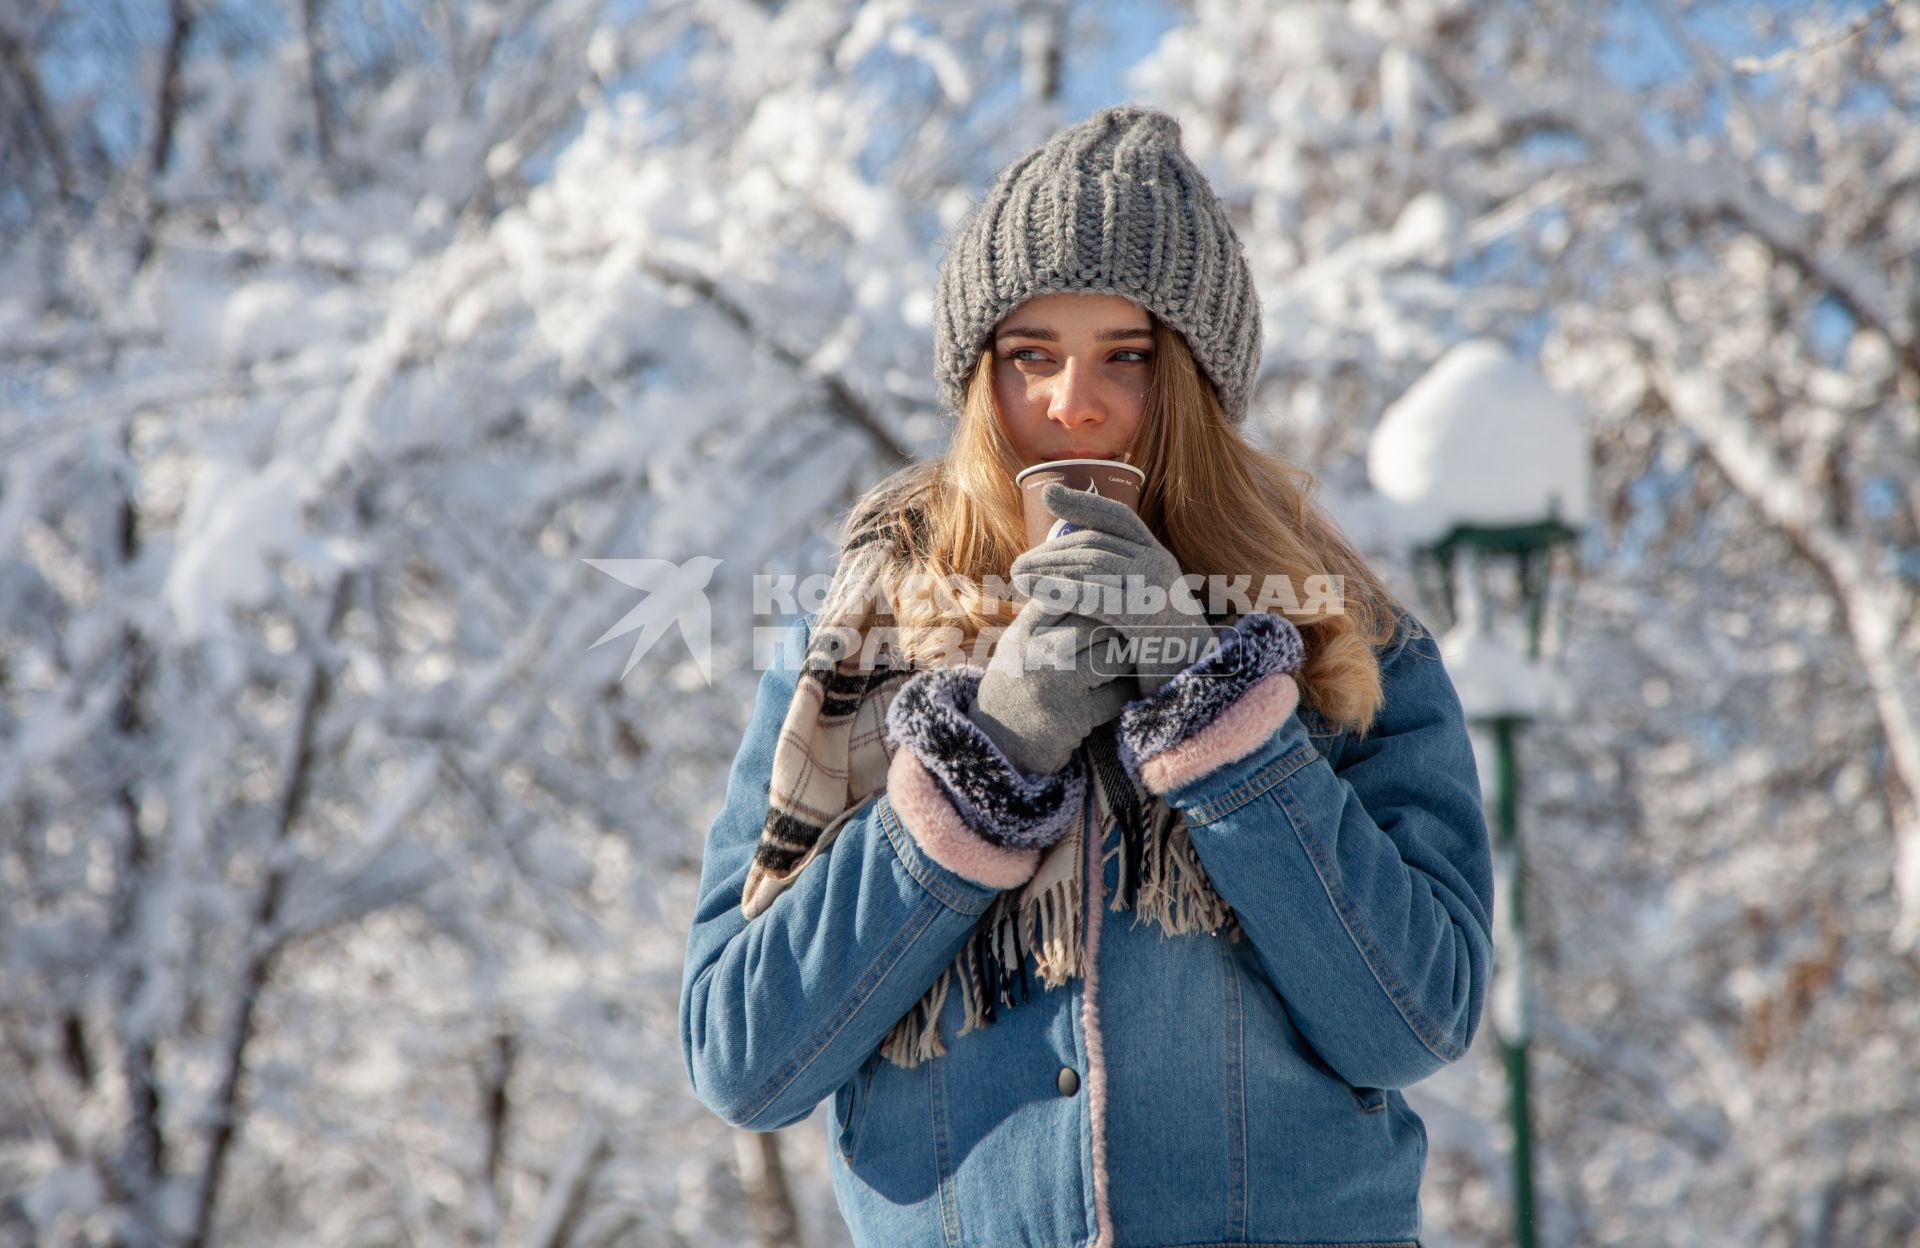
{"x": 1252, "y": 1089}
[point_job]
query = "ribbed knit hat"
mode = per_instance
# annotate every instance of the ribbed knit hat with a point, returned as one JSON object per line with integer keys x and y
{"x": 1111, "y": 205}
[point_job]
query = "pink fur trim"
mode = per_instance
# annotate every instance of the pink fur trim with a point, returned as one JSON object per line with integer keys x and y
{"x": 1094, "y": 891}
{"x": 1240, "y": 730}
{"x": 938, "y": 829}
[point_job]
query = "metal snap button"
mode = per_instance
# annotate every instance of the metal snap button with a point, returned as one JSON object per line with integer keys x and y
{"x": 1069, "y": 1081}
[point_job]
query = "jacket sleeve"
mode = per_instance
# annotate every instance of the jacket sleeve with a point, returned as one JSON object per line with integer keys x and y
{"x": 1366, "y": 891}
{"x": 777, "y": 1013}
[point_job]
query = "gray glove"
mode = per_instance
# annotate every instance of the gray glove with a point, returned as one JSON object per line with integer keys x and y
{"x": 1115, "y": 548}
{"x": 1040, "y": 696}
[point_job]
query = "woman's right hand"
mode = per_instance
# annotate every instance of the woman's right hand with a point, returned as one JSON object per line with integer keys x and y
{"x": 1040, "y": 696}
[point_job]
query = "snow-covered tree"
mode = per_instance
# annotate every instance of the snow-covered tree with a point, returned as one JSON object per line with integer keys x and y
{"x": 344, "y": 879}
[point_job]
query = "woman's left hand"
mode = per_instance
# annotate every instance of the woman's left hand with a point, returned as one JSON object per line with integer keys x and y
{"x": 1114, "y": 549}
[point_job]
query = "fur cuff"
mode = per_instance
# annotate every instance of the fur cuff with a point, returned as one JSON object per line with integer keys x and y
{"x": 936, "y": 827}
{"x": 999, "y": 802}
{"x": 1220, "y": 709}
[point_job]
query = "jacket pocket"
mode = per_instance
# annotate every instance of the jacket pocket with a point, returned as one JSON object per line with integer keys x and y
{"x": 850, "y": 1102}
{"x": 1366, "y": 1100}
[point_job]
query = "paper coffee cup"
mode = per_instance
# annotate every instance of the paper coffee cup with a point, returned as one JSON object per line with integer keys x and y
{"x": 1109, "y": 478}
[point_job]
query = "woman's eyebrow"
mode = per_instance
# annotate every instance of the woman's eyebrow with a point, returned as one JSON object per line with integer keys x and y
{"x": 1047, "y": 335}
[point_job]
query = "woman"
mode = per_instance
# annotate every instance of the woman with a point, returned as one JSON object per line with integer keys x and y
{"x": 911, "y": 830}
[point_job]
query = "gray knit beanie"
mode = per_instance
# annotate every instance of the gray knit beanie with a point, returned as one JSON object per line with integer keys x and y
{"x": 1111, "y": 205}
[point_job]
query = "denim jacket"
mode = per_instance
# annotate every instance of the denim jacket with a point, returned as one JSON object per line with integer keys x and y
{"x": 1227, "y": 1093}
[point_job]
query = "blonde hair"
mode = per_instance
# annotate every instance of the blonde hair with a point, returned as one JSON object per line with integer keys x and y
{"x": 1220, "y": 505}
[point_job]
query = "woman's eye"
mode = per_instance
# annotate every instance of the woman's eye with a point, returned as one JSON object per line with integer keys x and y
{"x": 1019, "y": 354}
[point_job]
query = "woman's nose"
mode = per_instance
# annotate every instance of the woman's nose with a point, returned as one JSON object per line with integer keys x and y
{"x": 1074, "y": 400}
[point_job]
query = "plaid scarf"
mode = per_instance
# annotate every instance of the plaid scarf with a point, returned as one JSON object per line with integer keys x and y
{"x": 833, "y": 754}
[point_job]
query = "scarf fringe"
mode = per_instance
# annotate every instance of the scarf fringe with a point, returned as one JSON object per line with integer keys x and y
{"x": 1058, "y": 947}
{"x": 916, "y": 1037}
{"x": 1168, "y": 885}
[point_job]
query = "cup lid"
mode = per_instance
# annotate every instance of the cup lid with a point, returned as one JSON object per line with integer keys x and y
{"x": 1058, "y": 463}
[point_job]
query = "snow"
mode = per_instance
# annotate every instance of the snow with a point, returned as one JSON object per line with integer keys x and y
{"x": 279, "y": 317}
{"x": 598, "y": 283}
{"x": 1492, "y": 677}
{"x": 237, "y": 521}
{"x": 1481, "y": 439}
{"x": 62, "y": 1200}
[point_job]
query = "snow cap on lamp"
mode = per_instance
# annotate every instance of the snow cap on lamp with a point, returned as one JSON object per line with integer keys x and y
{"x": 1480, "y": 439}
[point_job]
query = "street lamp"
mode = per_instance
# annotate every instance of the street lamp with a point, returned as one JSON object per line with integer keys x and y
{"x": 1487, "y": 468}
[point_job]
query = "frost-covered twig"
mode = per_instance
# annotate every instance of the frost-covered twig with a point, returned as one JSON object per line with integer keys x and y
{"x": 1873, "y": 607}
{"x": 846, "y": 404}
{"x": 567, "y": 1187}
{"x": 263, "y": 950}
{"x": 1786, "y": 56}
{"x": 166, "y": 111}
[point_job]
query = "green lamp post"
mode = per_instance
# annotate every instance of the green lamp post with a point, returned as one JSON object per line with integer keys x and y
{"x": 1487, "y": 468}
